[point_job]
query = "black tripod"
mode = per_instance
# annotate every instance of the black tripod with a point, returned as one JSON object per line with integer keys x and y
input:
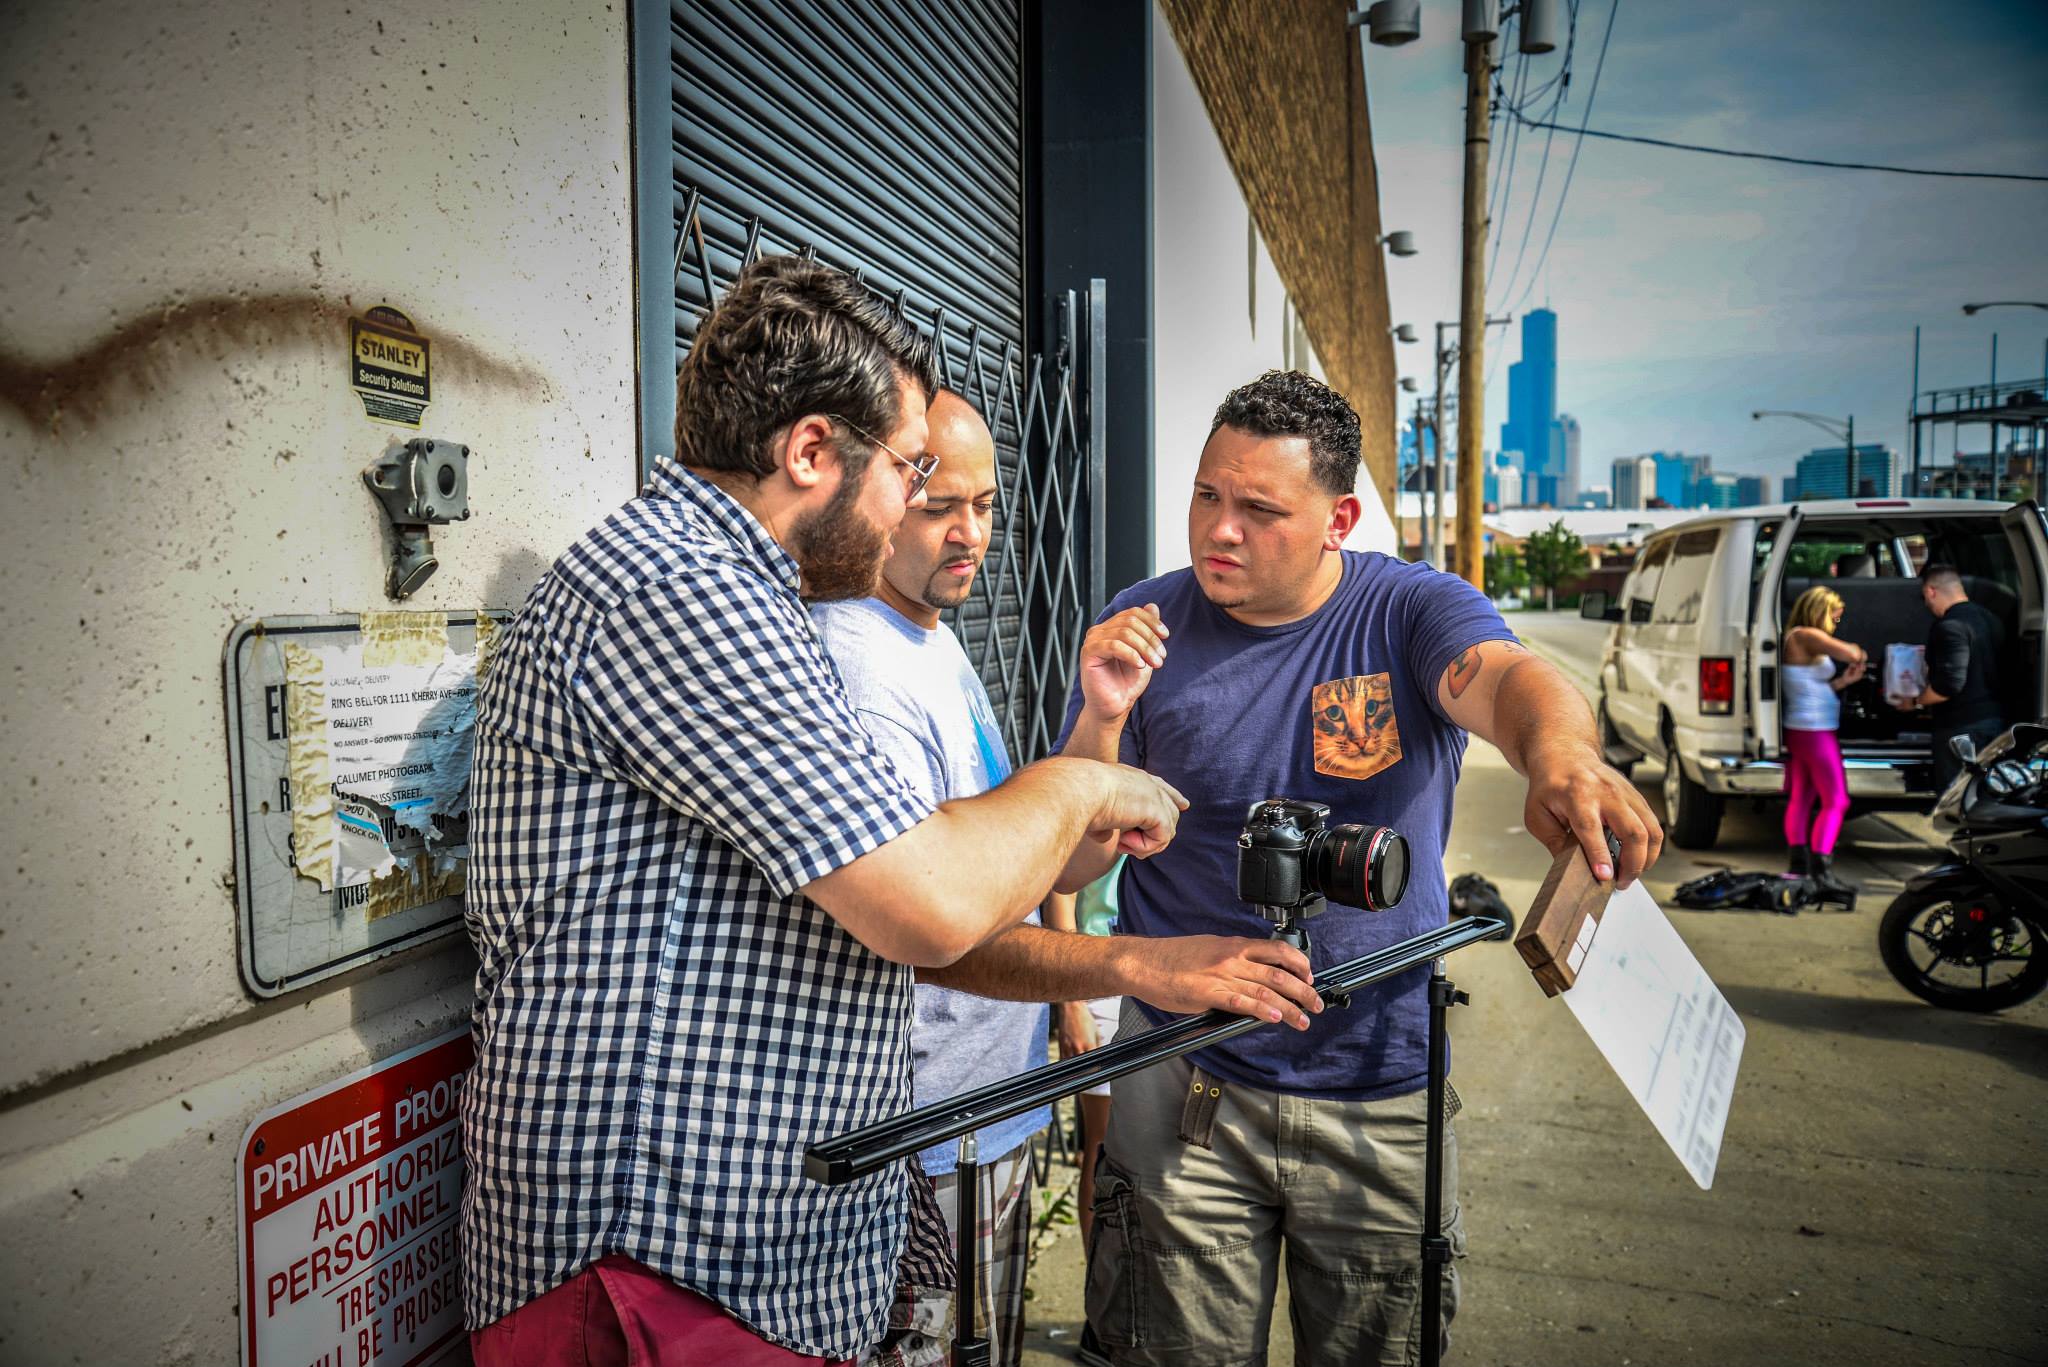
{"x": 970, "y": 1347}
{"x": 1436, "y": 1247}
{"x": 845, "y": 1157}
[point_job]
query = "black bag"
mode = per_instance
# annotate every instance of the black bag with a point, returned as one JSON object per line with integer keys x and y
{"x": 1727, "y": 890}
{"x": 1471, "y": 894}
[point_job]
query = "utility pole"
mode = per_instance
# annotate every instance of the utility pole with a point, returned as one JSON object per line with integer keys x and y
{"x": 1435, "y": 535}
{"x": 1472, "y": 309}
{"x": 1913, "y": 416}
{"x": 1434, "y": 523}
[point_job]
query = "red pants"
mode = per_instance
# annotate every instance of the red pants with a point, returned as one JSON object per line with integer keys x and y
{"x": 618, "y": 1313}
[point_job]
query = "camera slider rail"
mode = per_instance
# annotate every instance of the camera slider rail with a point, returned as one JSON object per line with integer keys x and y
{"x": 845, "y": 1157}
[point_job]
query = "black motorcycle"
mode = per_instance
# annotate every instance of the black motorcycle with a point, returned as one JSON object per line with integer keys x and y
{"x": 1971, "y": 933}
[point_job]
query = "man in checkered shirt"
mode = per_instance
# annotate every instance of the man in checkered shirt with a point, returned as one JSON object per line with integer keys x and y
{"x": 698, "y": 889}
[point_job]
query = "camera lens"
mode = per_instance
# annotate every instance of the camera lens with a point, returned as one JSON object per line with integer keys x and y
{"x": 1359, "y": 866}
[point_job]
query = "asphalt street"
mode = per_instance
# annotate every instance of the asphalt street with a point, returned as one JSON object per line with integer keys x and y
{"x": 1882, "y": 1184}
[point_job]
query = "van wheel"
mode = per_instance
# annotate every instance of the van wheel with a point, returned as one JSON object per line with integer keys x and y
{"x": 1692, "y": 815}
{"x": 1611, "y": 744}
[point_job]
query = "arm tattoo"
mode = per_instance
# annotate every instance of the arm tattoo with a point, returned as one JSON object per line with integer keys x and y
{"x": 1466, "y": 667}
{"x": 1464, "y": 670}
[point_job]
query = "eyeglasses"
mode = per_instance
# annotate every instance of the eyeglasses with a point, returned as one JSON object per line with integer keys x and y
{"x": 921, "y": 469}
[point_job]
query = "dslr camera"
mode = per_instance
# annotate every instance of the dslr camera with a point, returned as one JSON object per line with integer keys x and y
{"x": 1289, "y": 860}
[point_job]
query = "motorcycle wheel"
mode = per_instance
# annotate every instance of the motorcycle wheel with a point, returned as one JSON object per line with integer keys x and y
{"x": 1920, "y": 937}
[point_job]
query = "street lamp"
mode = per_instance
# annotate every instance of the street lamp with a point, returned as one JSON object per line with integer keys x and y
{"x": 1407, "y": 384}
{"x": 1400, "y": 242}
{"x": 1970, "y": 310}
{"x": 1844, "y": 432}
{"x": 1404, "y": 332}
{"x": 1390, "y": 23}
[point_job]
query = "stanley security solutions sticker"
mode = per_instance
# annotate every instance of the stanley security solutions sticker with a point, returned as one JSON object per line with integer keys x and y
{"x": 388, "y": 366}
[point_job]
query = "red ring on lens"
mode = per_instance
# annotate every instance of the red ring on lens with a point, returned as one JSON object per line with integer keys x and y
{"x": 1380, "y": 836}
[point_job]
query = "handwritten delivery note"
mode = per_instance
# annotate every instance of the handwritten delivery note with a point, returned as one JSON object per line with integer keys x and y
{"x": 1662, "y": 1025}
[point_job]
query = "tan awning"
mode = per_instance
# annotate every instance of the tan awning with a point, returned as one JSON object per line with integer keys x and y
{"x": 1285, "y": 88}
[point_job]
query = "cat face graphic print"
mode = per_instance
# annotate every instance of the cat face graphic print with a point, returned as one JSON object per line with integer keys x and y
{"x": 1355, "y": 732}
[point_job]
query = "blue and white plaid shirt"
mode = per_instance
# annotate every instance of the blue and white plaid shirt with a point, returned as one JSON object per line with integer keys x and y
{"x": 664, "y": 756}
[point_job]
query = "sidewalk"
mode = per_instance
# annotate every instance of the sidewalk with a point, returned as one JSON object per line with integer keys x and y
{"x": 1882, "y": 1182}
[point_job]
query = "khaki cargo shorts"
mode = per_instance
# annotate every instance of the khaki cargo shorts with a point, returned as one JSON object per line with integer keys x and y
{"x": 1204, "y": 1183}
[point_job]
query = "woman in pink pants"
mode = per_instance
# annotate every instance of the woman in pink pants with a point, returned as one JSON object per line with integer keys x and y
{"x": 1816, "y": 789}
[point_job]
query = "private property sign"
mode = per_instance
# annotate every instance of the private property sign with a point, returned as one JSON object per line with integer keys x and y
{"x": 349, "y": 1198}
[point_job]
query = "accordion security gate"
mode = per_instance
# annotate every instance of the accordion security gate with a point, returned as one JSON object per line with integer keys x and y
{"x": 816, "y": 130}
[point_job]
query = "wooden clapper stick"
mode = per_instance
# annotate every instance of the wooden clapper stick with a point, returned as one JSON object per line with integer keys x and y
{"x": 1560, "y": 923}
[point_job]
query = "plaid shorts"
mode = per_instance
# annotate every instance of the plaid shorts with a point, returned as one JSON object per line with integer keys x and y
{"x": 921, "y": 1320}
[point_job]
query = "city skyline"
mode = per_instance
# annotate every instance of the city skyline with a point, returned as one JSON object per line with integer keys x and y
{"x": 1694, "y": 289}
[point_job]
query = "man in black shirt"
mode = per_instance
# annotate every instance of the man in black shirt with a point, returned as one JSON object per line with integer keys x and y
{"x": 1963, "y": 647}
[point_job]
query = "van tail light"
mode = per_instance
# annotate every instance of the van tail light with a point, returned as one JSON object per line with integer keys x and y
{"x": 1717, "y": 685}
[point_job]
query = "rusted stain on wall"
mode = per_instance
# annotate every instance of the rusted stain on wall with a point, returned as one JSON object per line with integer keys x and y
{"x": 157, "y": 351}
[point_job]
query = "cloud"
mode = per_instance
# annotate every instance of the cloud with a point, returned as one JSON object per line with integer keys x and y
{"x": 1692, "y": 289}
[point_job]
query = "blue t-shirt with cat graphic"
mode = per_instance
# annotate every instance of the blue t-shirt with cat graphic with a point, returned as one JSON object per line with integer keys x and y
{"x": 1338, "y": 708}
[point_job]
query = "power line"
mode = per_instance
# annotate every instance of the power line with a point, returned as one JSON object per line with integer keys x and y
{"x": 1506, "y": 183}
{"x": 1561, "y": 85}
{"x": 1535, "y": 201}
{"x": 1790, "y": 161}
{"x": 1592, "y": 93}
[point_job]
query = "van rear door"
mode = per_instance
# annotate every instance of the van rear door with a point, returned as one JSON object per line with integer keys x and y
{"x": 1767, "y": 570}
{"x": 2026, "y": 525}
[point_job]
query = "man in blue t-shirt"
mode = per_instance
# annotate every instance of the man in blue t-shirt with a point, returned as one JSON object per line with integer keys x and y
{"x": 1281, "y": 665}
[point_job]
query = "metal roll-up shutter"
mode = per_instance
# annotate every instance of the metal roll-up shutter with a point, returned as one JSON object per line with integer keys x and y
{"x": 886, "y": 138}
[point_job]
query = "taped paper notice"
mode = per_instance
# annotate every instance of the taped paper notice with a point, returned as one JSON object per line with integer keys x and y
{"x": 381, "y": 735}
{"x": 1662, "y": 1025}
{"x": 487, "y": 632}
{"x": 305, "y": 705}
{"x": 403, "y": 638}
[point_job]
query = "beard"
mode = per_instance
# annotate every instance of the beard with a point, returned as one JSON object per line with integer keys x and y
{"x": 945, "y": 590}
{"x": 839, "y": 550}
{"x": 1231, "y": 596}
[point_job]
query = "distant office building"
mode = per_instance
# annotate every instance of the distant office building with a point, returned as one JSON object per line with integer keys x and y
{"x": 1634, "y": 481}
{"x": 1504, "y": 479}
{"x": 1533, "y": 427}
{"x": 1751, "y": 490}
{"x": 1673, "y": 479}
{"x": 1568, "y": 483}
{"x": 1697, "y": 491}
{"x": 1824, "y": 473}
{"x": 1593, "y": 498}
{"x": 1717, "y": 491}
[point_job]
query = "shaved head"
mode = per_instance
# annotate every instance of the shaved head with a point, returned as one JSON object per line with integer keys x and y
{"x": 959, "y": 438}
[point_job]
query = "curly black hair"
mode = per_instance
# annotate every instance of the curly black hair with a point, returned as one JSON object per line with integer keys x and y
{"x": 1287, "y": 403}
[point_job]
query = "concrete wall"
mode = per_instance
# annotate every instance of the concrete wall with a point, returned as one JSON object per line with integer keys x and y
{"x": 1220, "y": 311}
{"x": 199, "y": 195}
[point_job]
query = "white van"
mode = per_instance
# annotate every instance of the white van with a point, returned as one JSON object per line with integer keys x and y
{"x": 1690, "y": 668}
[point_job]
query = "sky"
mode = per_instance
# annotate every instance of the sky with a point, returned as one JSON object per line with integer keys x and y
{"x": 1691, "y": 290}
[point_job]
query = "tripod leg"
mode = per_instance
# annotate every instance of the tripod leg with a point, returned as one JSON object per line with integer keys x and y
{"x": 970, "y": 1349}
{"x": 1436, "y": 1248}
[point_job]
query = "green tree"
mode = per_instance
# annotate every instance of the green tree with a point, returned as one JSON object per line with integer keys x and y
{"x": 1505, "y": 574}
{"x": 1553, "y": 557}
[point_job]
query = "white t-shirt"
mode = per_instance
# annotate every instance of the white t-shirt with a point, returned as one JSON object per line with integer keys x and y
{"x": 921, "y": 700}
